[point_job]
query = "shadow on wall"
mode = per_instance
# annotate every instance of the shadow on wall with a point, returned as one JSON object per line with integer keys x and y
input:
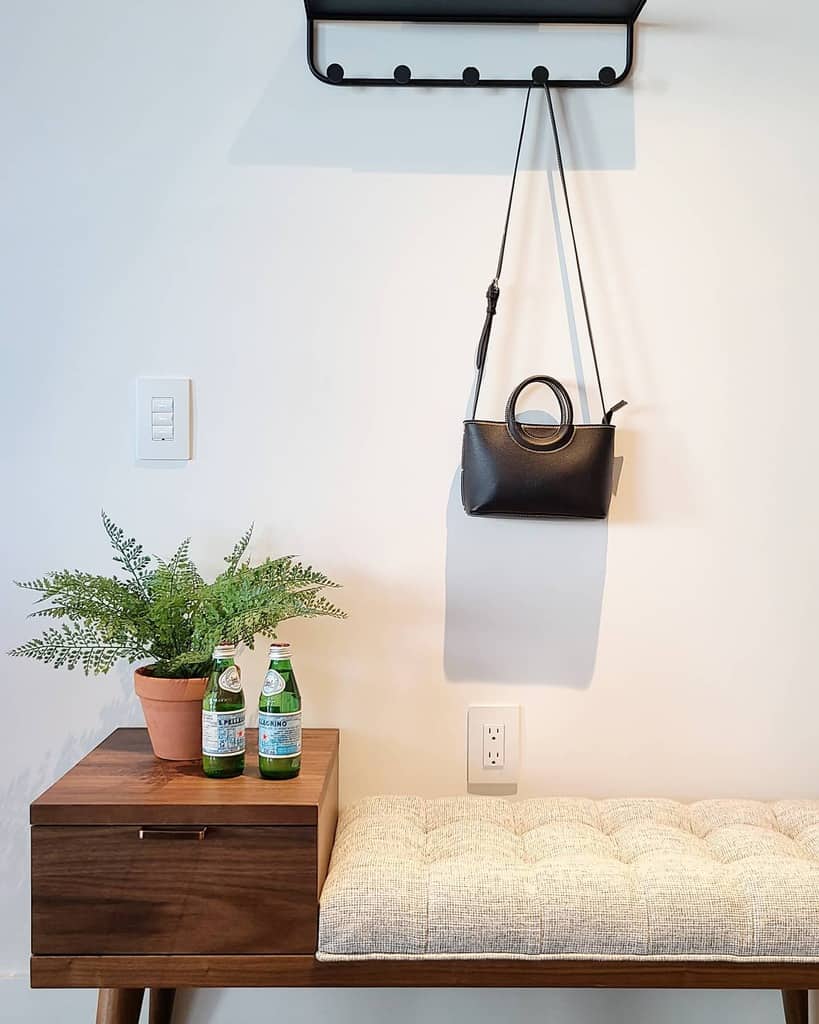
{"x": 523, "y": 599}
{"x": 19, "y": 790}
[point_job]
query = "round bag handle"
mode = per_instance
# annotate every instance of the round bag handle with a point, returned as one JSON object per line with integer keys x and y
{"x": 564, "y": 432}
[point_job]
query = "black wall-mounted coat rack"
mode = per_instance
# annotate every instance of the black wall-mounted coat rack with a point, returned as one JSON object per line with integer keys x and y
{"x": 499, "y": 12}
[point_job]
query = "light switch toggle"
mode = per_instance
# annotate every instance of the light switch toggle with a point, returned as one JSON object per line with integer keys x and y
{"x": 163, "y": 418}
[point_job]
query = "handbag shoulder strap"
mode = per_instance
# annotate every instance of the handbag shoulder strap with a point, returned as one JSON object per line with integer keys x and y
{"x": 493, "y": 292}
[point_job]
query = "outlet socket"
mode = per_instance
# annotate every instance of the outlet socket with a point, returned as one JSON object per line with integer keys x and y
{"x": 493, "y": 746}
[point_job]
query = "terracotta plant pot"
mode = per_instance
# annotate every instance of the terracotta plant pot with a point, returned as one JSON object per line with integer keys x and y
{"x": 173, "y": 714}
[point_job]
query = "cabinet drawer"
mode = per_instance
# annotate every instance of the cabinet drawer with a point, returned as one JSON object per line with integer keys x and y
{"x": 237, "y": 889}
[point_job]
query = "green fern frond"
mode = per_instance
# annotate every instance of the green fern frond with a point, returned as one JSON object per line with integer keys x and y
{"x": 179, "y": 573}
{"x": 70, "y": 646}
{"x": 130, "y": 555}
{"x": 40, "y": 585}
{"x": 190, "y": 665}
{"x": 239, "y": 548}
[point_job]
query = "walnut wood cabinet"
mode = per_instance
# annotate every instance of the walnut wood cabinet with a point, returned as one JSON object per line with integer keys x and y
{"x": 133, "y": 858}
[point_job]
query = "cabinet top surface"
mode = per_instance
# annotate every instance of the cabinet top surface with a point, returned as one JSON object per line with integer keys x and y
{"x": 121, "y": 782}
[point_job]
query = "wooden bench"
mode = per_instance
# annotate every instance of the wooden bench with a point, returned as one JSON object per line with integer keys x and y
{"x": 120, "y": 913}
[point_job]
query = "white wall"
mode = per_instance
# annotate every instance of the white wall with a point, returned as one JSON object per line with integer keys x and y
{"x": 179, "y": 196}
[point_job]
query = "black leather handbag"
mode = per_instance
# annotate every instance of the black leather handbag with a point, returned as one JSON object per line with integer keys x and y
{"x": 510, "y": 468}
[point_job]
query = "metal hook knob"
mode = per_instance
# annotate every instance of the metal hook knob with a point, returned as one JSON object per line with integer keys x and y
{"x": 335, "y": 72}
{"x": 540, "y": 75}
{"x": 471, "y": 76}
{"x": 402, "y": 74}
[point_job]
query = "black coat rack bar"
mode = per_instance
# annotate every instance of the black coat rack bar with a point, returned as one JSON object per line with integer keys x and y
{"x": 487, "y": 12}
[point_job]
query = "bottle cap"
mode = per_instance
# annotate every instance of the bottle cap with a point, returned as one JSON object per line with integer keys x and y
{"x": 221, "y": 651}
{"x": 280, "y": 652}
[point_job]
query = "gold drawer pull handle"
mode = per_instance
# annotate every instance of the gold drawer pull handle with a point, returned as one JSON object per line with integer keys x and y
{"x": 180, "y": 832}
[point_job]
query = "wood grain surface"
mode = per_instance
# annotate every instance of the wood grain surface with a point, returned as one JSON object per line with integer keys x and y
{"x": 119, "y": 1005}
{"x": 243, "y": 889}
{"x": 306, "y": 971}
{"x": 121, "y": 782}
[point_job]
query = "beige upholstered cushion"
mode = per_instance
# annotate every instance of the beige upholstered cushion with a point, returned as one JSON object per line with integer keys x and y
{"x": 573, "y": 879}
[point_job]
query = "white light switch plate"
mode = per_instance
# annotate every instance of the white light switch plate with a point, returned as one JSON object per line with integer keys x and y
{"x": 163, "y": 406}
{"x": 493, "y": 745}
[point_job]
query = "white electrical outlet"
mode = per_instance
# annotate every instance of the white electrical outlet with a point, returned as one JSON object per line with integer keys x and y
{"x": 493, "y": 745}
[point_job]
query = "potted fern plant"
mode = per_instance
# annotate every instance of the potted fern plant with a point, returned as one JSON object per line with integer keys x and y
{"x": 165, "y": 612}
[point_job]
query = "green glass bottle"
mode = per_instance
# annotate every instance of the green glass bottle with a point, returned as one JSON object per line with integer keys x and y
{"x": 280, "y": 718}
{"x": 223, "y": 717}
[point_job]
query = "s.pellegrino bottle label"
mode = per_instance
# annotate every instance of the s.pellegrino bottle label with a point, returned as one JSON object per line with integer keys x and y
{"x": 223, "y": 717}
{"x": 223, "y": 733}
{"x": 280, "y": 718}
{"x": 279, "y": 735}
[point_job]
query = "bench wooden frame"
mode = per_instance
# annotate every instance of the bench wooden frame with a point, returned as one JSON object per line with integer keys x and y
{"x": 307, "y": 972}
{"x": 161, "y": 973}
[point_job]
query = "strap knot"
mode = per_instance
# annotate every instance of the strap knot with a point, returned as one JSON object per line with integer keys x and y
{"x": 492, "y": 296}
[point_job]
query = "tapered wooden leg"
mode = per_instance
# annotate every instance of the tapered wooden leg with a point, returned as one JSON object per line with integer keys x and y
{"x": 795, "y": 1002}
{"x": 119, "y": 1005}
{"x": 161, "y": 1005}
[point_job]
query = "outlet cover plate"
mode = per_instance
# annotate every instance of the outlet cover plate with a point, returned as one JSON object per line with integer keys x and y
{"x": 508, "y": 716}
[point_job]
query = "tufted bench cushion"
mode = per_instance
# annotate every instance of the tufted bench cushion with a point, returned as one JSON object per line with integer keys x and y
{"x": 573, "y": 879}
